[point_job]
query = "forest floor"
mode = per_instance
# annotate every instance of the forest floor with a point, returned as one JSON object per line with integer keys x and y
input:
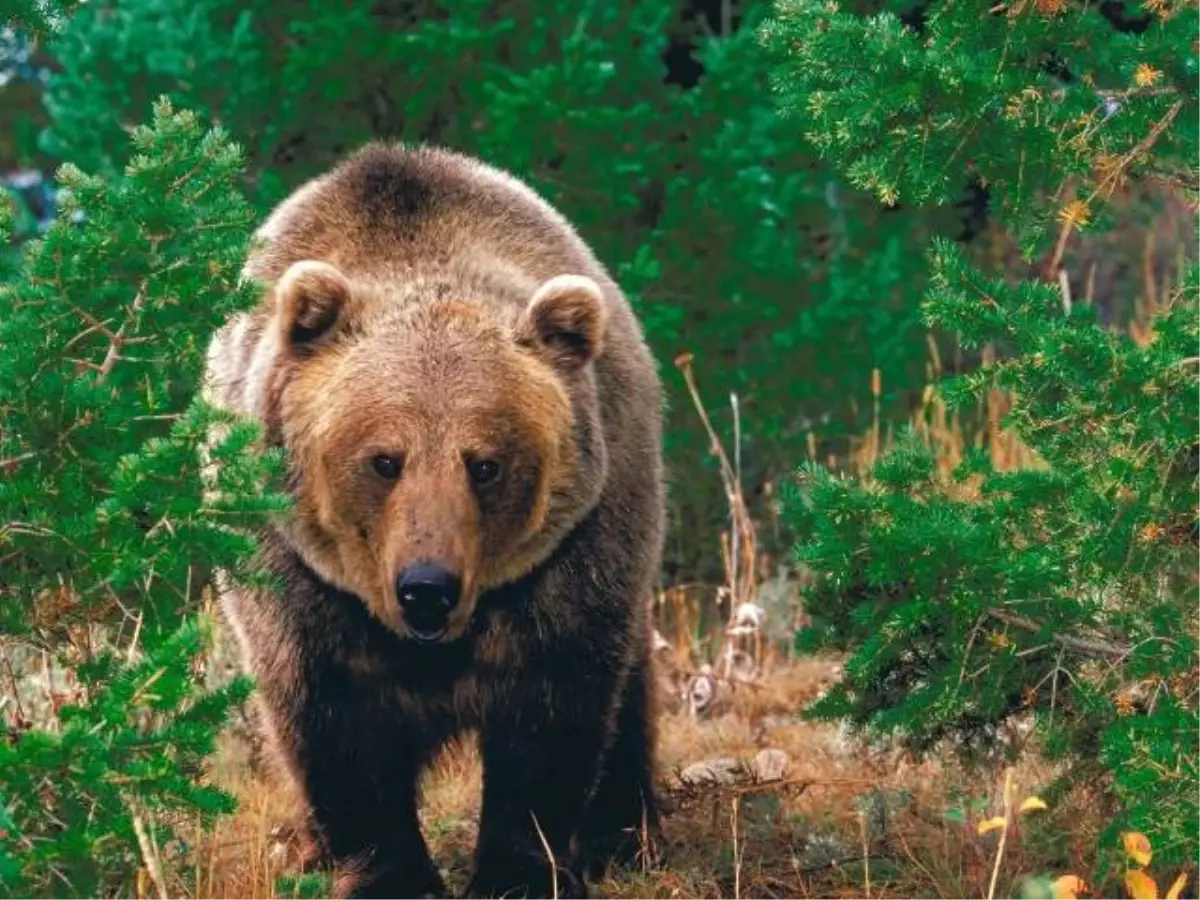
{"x": 839, "y": 820}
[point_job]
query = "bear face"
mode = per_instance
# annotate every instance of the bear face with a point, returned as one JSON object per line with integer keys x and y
{"x": 467, "y": 452}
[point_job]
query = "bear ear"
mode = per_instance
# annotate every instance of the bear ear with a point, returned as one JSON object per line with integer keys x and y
{"x": 310, "y": 297}
{"x": 566, "y": 319}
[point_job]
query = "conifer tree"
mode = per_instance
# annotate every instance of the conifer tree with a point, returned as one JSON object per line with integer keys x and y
{"x": 1050, "y": 105}
{"x": 106, "y": 537}
{"x": 1066, "y": 589}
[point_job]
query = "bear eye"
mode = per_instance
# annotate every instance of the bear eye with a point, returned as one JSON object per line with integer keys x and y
{"x": 483, "y": 471}
{"x": 387, "y": 466}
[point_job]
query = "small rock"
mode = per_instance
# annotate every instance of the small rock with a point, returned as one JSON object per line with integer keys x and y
{"x": 770, "y": 765}
{"x": 701, "y": 691}
{"x": 725, "y": 770}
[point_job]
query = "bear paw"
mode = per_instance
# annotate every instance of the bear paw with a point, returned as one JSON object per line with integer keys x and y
{"x": 625, "y": 849}
{"x": 525, "y": 876}
{"x": 389, "y": 881}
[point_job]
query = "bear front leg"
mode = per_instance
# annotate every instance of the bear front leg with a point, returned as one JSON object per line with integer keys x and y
{"x": 621, "y": 824}
{"x": 541, "y": 758}
{"x": 370, "y": 830}
{"x": 357, "y": 770}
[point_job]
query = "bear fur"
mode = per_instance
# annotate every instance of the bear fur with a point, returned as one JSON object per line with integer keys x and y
{"x": 423, "y": 311}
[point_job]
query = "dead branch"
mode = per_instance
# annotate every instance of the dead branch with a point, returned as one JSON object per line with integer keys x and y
{"x": 1095, "y": 647}
{"x": 119, "y": 338}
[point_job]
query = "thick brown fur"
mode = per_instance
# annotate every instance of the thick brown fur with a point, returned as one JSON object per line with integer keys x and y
{"x": 430, "y": 309}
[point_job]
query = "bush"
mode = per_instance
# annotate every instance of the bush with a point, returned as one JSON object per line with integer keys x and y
{"x": 105, "y": 539}
{"x": 1066, "y": 589}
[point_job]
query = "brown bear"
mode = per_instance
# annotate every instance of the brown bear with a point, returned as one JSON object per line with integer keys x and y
{"x": 472, "y": 426}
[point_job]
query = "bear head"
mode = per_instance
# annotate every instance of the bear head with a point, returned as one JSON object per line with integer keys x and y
{"x": 440, "y": 443}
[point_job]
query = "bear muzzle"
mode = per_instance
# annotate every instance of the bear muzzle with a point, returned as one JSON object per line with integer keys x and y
{"x": 428, "y": 595}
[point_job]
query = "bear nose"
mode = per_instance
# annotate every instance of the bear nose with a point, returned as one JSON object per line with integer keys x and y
{"x": 428, "y": 594}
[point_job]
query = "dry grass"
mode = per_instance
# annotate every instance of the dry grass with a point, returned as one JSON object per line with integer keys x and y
{"x": 804, "y": 836}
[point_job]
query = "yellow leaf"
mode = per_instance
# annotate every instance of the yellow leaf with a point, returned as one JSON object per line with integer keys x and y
{"x": 1177, "y": 887}
{"x": 1140, "y": 885}
{"x": 1137, "y": 846}
{"x": 1033, "y": 803}
{"x": 1146, "y": 75}
{"x": 1123, "y": 704}
{"x": 1069, "y": 887}
{"x": 1075, "y": 214}
{"x": 1151, "y": 532}
{"x": 991, "y": 824}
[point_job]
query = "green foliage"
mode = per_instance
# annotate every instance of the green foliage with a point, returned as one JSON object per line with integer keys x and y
{"x": 735, "y": 243}
{"x": 106, "y": 535}
{"x": 1034, "y": 98}
{"x": 35, "y": 16}
{"x": 302, "y": 887}
{"x": 1066, "y": 589}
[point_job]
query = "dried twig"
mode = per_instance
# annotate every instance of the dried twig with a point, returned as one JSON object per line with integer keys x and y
{"x": 149, "y": 856}
{"x": 549, "y": 856}
{"x": 1087, "y": 646}
{"x": 1003, "y": 833}
{"x": 737, "y": 856}
{"x": 866, "y": 859}
{"x": 739, "y": 516}
{"x": 740, "y": 552}
{"x": 119, "y": 338}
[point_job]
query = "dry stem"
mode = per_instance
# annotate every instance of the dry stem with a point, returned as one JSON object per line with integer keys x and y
{"x": 149, "y": 856}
